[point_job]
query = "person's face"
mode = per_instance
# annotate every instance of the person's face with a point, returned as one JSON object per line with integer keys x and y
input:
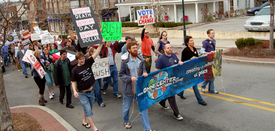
{"x": 69, "y": 43}
{"x": 164, "y": 35}
{"x": 46, "y": 51}
{"x": 21, "y": 47}
{"x": 146, "y": 33}
{"x": 190, "y": 42}
{"x": 35, "y": 47}
{"x": 168, "y": 49}
{"x": 63, "y": 56}
{"x": 128, "y": 41}
{"x": 59, "y": 39}
{"x": 81, "y": 61}
{"x": 31, "y": 46}
{"x": 211, "y": 34}
{"x": 16, "y": 44}
{"x": 133, "y": 51}
{"x": 108, "y": 43}
{"x": 52, "y": 47}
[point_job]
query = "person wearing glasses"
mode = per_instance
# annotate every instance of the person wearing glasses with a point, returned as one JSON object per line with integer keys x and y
{"x": 146, "y": 45}
{"x": 161, "y": 43}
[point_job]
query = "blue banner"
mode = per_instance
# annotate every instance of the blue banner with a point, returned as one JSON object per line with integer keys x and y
{"x": 167, "y": 82}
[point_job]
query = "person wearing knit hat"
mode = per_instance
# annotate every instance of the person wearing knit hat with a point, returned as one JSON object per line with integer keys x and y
{"x": 62, "y": 78}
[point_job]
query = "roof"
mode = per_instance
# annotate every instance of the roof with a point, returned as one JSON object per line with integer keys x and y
{"x": 163, "y": 2}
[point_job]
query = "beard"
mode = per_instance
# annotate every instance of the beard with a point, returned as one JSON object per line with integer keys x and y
{"x": 134, "y": 53}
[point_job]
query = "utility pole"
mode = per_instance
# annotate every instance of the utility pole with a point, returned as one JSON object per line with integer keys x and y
{"x": 183, "y": 19}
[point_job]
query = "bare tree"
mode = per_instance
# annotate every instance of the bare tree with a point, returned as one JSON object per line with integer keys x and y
{"x": 158, "y": 11}
{"x": 271, "y": 41}
{"x": 7, "y": 22}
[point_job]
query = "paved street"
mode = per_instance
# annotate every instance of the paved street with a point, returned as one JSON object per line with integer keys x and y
{"x": 245, "y": 102}
{"x": 230, "y": 24}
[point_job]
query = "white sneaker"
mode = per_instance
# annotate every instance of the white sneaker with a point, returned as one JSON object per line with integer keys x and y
{"x": 118, "y": 96}
{"x": 50, "y": 96}
{"x": 203, "y": 90}
{"x": 52, "y": 93}
{"x": 179, "y": 117}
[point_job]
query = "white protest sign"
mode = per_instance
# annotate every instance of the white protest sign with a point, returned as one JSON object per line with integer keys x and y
{"x": 28, "y": 53}
{"x": 70, "y": 56}
{"x": 37, "y": 66}
{"x": 46, "y": 38}
{"x": 101, "y": 68}
{"x": 35, "y": 37}
{"x": 145, "y": 16}
{"x": 37, "y": 30}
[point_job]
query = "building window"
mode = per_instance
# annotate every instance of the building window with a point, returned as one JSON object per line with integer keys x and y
{"x": 12, "y": 14}
{"x": 56, "y": 26}
{"x": 104, "y": 3}
{"x": 238, "y": 3}
{"x": 92, "y": 3}
{"x": 74, "y": 4}
{"x": 39, "y": 5}
{"x": 52, "y": 26}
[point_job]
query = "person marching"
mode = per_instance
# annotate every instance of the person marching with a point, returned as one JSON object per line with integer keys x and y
{"x": 131, "y": 68}
{"x": 83, "y": 85}
{"x": 190, "y": 52}
{"x": 165, "y": 60}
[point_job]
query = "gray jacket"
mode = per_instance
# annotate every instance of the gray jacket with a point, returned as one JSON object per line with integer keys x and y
{"x": 124, "y": 74}
{"x": 20, "y": 55}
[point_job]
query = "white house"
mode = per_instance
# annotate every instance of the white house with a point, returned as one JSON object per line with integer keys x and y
{"x": 173, "y": 8}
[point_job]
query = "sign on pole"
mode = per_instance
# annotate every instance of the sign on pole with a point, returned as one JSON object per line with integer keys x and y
{"x": 26, "y": 43}
{"x": 86, "y": 26}
{"x": 35, "y": 37}
{"x": 26, "y": 34}
{"x": 101, "y": 68}
{"x": 111, "y": 31}
{"x": 25, "y": 58}
{"x": 46, "y": 38}
{"x": 145, "y": 16}
{"x": 37, "y": 30}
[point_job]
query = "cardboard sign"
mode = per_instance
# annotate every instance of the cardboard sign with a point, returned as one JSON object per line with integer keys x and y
{"x": 101, "y": 68}
{"x": 26, "y": 34}
{"x": 26, "y": 42}
{"x": 36, "y": 65}
{"x": 46, "y": 38}
{"x": 145, "y": 16}
{"x": 71, "y": 33}
{"x": 86, "y": 26}
{"x": 111, "y": 31}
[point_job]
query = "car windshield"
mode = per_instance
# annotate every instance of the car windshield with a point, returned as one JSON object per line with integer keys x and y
{"x": 264, "y": 11}
{"x": 265, "y": 4}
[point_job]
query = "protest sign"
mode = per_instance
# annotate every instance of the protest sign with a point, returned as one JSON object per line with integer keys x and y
{"x": 70, "y": 55}
{"x": 175, "y": 79}
{"x": 111, "y": 31}
{"x": 26, "y": 34}
{"x": 37, "y": 30}
{"x": 36, "y": 65}
{"x": 86, "y": 26}
{"x": 71, "y": 33}
{"x": 35, "y": 37}
{"x": 101, "y": 68}
{"x": 26, "y": 42}
{"x": 145, "y": 16}
{"x": 12, "y": 38}
{"x": 25, "y": 58}
{"x": 46, "y": 38}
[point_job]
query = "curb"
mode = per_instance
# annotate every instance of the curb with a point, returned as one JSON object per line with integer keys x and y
{"x": 54, "y": 114}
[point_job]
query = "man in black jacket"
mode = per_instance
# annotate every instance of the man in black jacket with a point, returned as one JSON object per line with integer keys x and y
{"x": 62, "y": 77}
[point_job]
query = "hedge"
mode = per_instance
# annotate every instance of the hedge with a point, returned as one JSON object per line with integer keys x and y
{"x": 63, "y": 36}
{"x": 159, "y": 24}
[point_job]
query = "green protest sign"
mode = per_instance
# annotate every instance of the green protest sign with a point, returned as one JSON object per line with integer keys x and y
{"x": 111, "y": 31}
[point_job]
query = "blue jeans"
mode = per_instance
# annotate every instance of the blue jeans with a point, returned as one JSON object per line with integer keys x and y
{"x": 98, "y": 92}
{"x": 210, "y": 86}
{"x": 127, "y": 101}
{"x": 24, "y": 68}
{"x": 87, "y": 101}
{"x": 107, "y": 80}
{"x": 197, "y": 94}
{"x": 6, "y": 60}
{"x": 49, "y": 79}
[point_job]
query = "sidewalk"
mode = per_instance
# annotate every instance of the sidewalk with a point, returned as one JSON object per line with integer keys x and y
{"x": 48, "y": 119}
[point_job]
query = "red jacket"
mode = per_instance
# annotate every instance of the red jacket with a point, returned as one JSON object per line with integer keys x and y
{"x": 104, "y": 50}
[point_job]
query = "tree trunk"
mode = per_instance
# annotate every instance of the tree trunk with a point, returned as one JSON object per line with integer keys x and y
{"x": 271, "y": 41}
{"x": 6, "y": 122}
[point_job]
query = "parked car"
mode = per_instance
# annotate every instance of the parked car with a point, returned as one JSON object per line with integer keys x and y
{"x": 259, "y": 22}
{"x": 2, "y": 64}
{"x": 255, "y": 10}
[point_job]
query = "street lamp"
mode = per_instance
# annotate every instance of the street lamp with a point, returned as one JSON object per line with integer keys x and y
{"x": 183, "y": 19}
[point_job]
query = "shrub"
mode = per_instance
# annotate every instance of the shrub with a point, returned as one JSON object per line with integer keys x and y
{"x": 63, "y": 36}
{"x": 259, "y": 43}
{"x": 249, "y": 41}
{"x": 159, "y": 24}
{"x": 240, "y": 43}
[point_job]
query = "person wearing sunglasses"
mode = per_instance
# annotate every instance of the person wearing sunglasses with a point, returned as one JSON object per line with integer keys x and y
{"x": 146, "y": 45}
{"x": 161, "y": 43}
